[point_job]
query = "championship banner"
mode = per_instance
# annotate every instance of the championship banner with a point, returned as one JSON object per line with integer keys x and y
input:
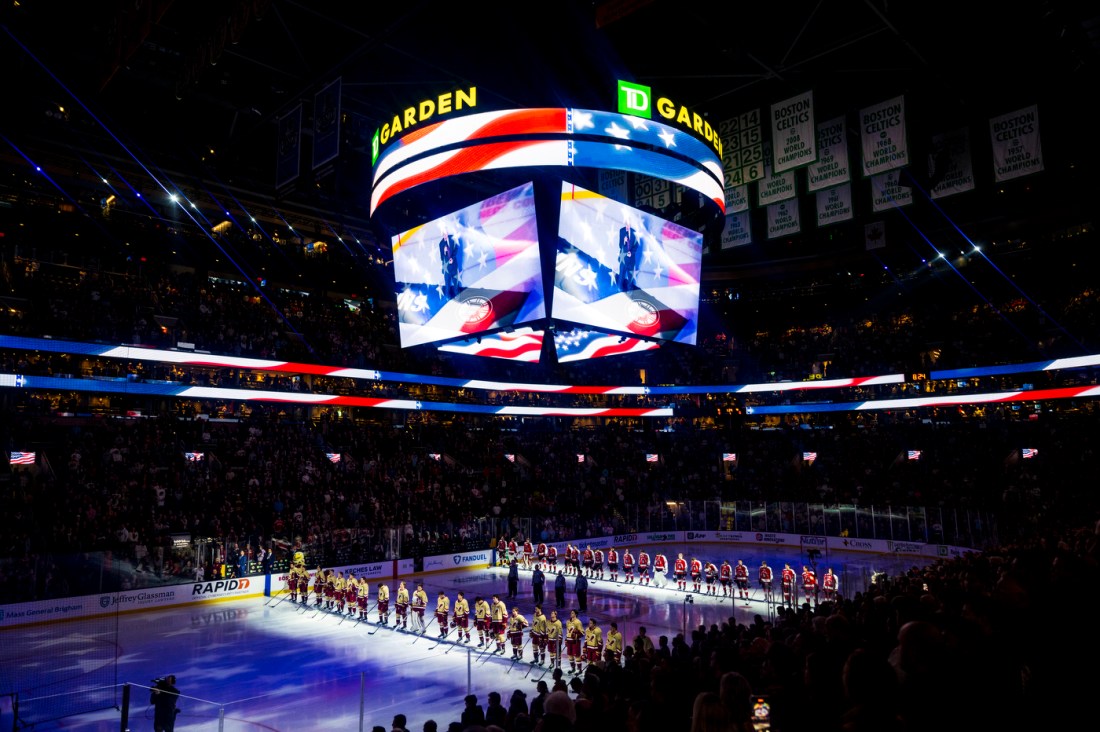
{"x": 949, "y": 163}
{"x": 737, "y": 198}
{"x": 794, "y": 141}
{"x": 774, "y": 188}
{"x": 326, "y": 124}
{"x": 783, "y": 219}
{"x": 834, "y": 205}
{"x": 288, "y": 141}
{"x": 737, "y": 232}
{"x": 832, "y": 166}
{"x": 887, "y": 192}
{"x": 1016, "y": 148}
{"x": 882, "y": 135}
{"x": 612, "y": 184}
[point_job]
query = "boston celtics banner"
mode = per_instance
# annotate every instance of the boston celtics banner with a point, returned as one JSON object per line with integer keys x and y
{"x": 831, "y": 167}
{"x": 834, "y": 205}
{"x": 783, "y": 219}
{"x": 737, "y": 198}
{"x": 949, "y": 164}
{"x": 1016, "y": 149}
{"x": 794, "y": 142}
{"x": 288, "y": 147}
{"x": 888, "y": 192}
{"x": 737, "y": 232}
{"x": 326, "y": 124}
{"x": 612, "y": 184}
{"x": 882, "y": 136}
{"x": 773, "y": 188}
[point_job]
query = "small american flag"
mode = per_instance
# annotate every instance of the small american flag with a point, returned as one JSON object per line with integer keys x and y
{"x": 435, "y": 456}
{"x": 22, "y": 458}
{"x": 651, "y": 457}
{"x": 333, "y": 457}
{"x": 1026, "y": 453}
{"x": 809, "y": 457}
{"x": 193, "y": 457}
{"x": 509, "y": 457}
{"x": 913, "y": 454}
{"x": 729, "y": 457}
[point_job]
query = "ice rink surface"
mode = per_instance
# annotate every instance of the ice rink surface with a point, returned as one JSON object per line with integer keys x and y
{"x": 265, "y": 664}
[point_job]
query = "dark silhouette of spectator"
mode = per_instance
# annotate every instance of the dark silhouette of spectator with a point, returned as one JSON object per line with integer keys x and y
{"x": 495, "y": 713}
{"x": 472, "y": 714}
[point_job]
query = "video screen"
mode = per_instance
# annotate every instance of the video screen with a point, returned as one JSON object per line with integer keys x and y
{"x": 621, "y": 269}
{"x": 522, "y": 344}
{"x": 474, "y": 270}
{"x": 580, "y": 345}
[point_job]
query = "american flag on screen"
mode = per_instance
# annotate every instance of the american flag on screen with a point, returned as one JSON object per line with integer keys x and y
{"x": 435, "y": 456}
{"x": 651, "y": 457}
{"x": 809, "y": 457}
{"x": 193, "y": 457}
{"x": 1029, "y": 452}
{"x": 729, "y": 457}
{"x": 509, "y": 457}
{"x": 22, "y": 458}
{"x": 579, "y": 345}
{"x": 912, "y": 454}
{"x": 333, "y": 457}
{"x": 524, "y": 344}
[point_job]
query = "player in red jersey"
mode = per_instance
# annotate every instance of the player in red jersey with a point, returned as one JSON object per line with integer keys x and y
{"x": 552, "y": 557}
{"x": 502, "y": 551}
{"x": 765, "y": 577}
{"x": 643, "y": 567}
{"x": 513, "y": 551}
{"x": 787, "y": 580}
{"x": 725, "y": 577}
{"x": 679, "y": 570}
{"x": 589, "y": 558}
{"x": 696, "y": 574}
{"x": 628, "y": 566}
{"x": 830, "y": 584}
{"x": 597, "y": 563}
{"x": 541, "y": 554}
{"x": 613, "y": 564}
{"x": 528, "y": 553}
{"x": 711, "y": 573}
{"x": 809, "y": 585}
{"x": 741, "y": 579}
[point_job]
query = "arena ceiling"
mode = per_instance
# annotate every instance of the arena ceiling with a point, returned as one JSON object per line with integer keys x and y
{"x": 199, "y": 85}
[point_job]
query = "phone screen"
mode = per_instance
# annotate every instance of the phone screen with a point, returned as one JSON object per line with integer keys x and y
{"x": 761, "y": 714}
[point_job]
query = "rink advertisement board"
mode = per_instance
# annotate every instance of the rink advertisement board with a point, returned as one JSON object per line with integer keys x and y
{"x": 442, "y": 562}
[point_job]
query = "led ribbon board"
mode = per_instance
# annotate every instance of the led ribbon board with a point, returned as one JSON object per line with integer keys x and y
{"x": 556, "y": 137}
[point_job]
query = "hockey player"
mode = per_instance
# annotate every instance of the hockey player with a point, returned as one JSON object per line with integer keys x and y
{"x": 741, "y": 579}
{"x": 589, "y": 558}
{"x": 725, "y": 577}
{"x": 787, "y": 580}
{"x": 809, "y": 586}
{"x": 552, "y": 558}
{"x": 615, "y": 643}
{"x": 554, "y": 639}
{"x": 330, "y": 590}
{"x": 538, "y": 636}
{"x": 765, "y": 576}
{"x": 462, "y": 617}
{"x": 613, "y": 564}
{"x": 643, "y": 567}
{"x": 513, "y": 550}
{"x": 830, "y": 584}
{"x": 516, "y": 624}
{"x": 351, "y": 593}
{"x": 401, "y": 620}
{"x": 482, "y": 614}
{"x": 597, "y": 563}
{"x": 502, "y": 551}
{"x": 628, "y": 566}
{"x": 696, "y": 573}
{"x": 498, "y": 622}
{"x": 362, "y": 597}
{"x": 338, "y": 586}
{"x": 575, "y": 558}
{"x": 540, "y": 553}
{"x": 574, "y": 633}
{"x": 593, "y": 643}
{"x": 319, "y": 587}
{"x": 679, "y": 570}
{"x": 710, "y": 572}
{"x": 384, "y": 604}
{"x": 528, "y": 553}
{"x": 660, "y": 570}
{"x": 419, "y": 605}
{"x": 303, "y": 584}
{"x": 442, "y": 614}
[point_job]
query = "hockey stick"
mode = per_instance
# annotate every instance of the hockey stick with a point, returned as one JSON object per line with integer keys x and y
{"x": 381, "y": 623}
{"x": 520, "y": 656}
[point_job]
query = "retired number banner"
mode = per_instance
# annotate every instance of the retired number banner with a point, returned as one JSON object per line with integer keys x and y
{"x": 882, "y": 135}
{"x": 1016, "y": 149}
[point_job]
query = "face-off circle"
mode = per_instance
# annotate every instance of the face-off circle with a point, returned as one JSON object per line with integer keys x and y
{"x": 475, "y": 310}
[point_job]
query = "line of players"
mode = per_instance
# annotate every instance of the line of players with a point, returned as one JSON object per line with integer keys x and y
{"x": 591, "y": 563}
{"x": 549, "y": 637}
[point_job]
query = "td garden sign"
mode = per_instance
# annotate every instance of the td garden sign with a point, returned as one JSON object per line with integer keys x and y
{"x": 636, "y": 100}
